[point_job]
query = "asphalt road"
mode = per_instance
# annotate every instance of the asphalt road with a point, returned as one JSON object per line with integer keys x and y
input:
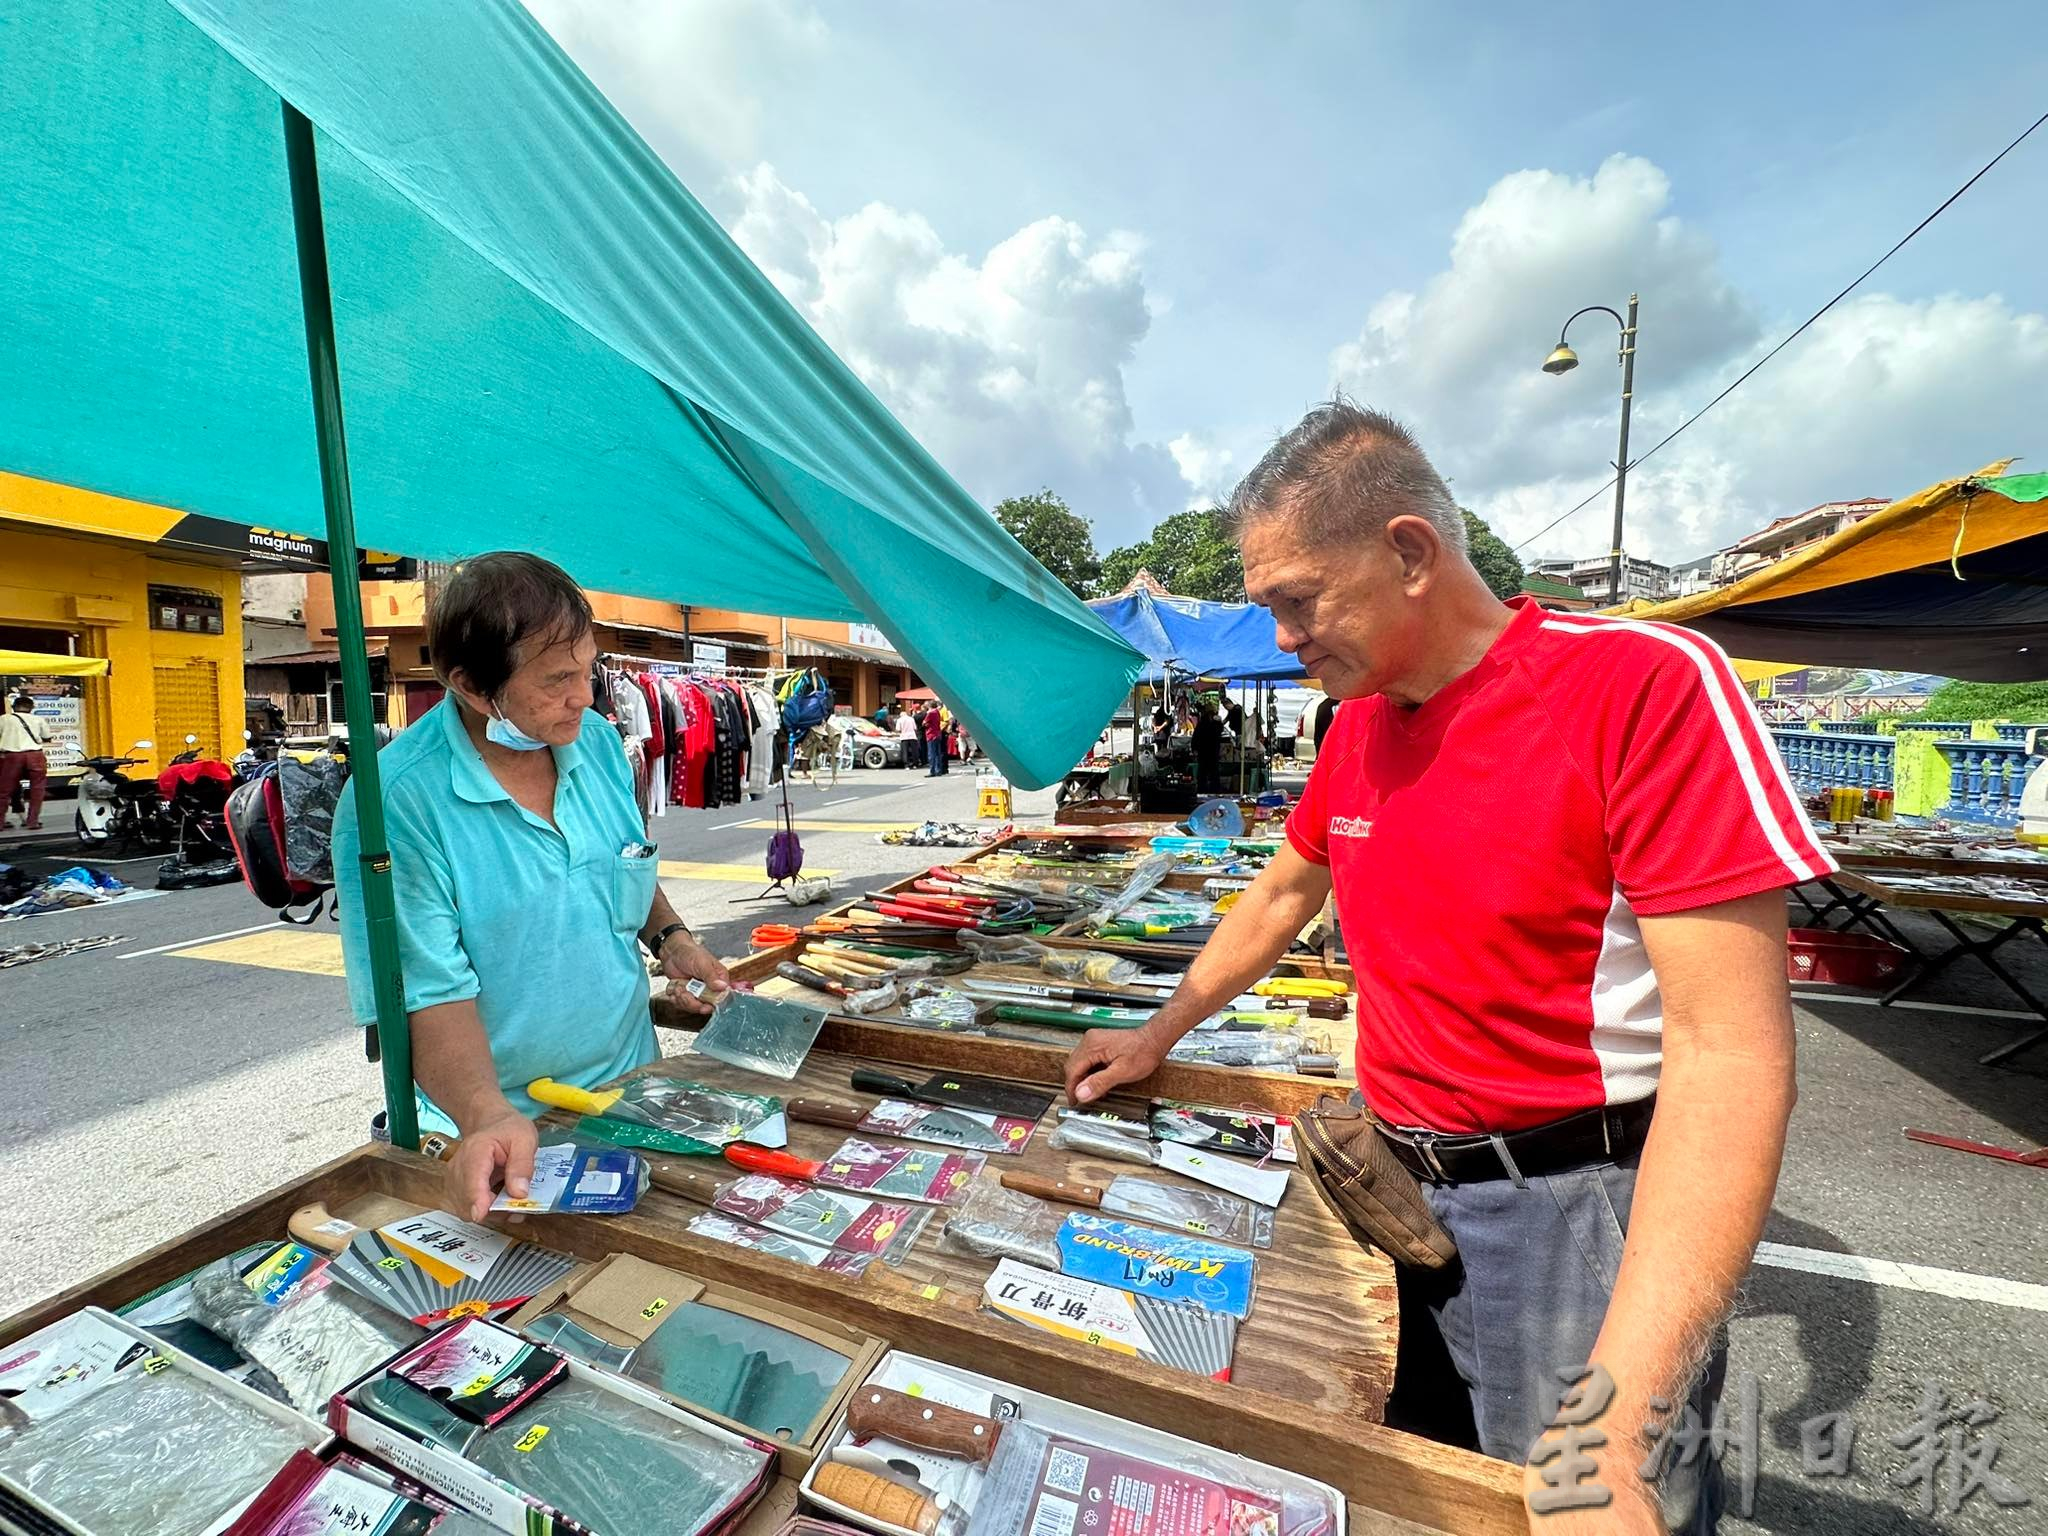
{"x": 154, "y": 1084}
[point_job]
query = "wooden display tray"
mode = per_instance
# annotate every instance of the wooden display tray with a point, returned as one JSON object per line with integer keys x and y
{"x": 1122, "y": 842}
{"x": 1314, "y": 1360}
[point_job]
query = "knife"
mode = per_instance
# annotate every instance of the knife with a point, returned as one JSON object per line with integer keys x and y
{"x": 1204, "y": 1212}
{"x": 704, "y": 1114}
{"x": 930, "y": 1178}
{"x": 959, "y": 1090}
{"x": 1012, "y": 1451}
{"x": 906, "y": 1121}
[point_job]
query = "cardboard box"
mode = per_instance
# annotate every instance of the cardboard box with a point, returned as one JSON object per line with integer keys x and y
{"x": 308, "y": 1432}
{"x": 960, "y": 1482}
{"x": 491, "y": 1498}
{"x": 623, "y": 1300}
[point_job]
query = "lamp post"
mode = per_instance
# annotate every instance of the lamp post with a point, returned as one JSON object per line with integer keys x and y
{"x": 1563, "y": 360}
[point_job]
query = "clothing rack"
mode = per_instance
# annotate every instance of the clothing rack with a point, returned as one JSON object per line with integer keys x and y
{"x": 683, "y": 668}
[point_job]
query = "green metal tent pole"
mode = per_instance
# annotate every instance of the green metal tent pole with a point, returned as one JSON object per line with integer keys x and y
{"x": 394, "y": 1034}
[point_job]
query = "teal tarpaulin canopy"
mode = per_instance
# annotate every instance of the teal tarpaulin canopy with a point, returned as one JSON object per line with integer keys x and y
{"x": 544, "y": 342}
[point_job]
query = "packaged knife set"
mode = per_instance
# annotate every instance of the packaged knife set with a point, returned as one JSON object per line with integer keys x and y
{"x": 532, "y": 1440}
{"x": 116, "y": 1433}
{"x": 930, "y": 1450}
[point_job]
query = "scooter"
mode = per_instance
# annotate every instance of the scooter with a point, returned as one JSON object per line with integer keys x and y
{"x": 113, "y": 808}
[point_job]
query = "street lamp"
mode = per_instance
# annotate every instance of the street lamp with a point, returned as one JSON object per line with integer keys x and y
{"x": 1563, "y": 360}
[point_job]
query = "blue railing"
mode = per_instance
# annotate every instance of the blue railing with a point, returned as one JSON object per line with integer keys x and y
{"x": 1824, "y": 759}
{"x": 1986, "y": 779}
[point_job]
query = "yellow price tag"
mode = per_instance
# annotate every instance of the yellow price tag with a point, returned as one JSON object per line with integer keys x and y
{"x": 931, "y": 1293}
{"x": 530, "y": 1439}
{"x": 154, "y": 1364}
{"x": 480, "y": 1385}
{"x": 394, "y": 1262}
{"x": 655, "y": 1307}
{"x": 1094, "y": 1336}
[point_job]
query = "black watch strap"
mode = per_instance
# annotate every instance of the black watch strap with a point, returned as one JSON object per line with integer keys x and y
{"x": 654, "y": 944}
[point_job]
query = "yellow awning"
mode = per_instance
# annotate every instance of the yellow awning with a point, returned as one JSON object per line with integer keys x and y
{"x": 1943, "y": 522}
{"x": 50, "y": 664}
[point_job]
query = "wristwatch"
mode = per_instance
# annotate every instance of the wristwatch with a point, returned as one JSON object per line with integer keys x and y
{"x": 654, "y": 944}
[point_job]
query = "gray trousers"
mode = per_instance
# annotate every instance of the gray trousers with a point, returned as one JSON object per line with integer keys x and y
{"x": 1537, "y": 1265}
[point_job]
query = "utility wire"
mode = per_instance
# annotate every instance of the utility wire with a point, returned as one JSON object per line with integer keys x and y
{"x": 1803, "y": 325}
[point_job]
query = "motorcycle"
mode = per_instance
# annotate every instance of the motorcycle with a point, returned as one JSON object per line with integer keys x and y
{"x": 115, "y": 809}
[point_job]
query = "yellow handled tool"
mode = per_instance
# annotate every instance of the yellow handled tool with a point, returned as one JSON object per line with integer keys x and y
{"x": 546, "y": 1090}
{"x": 1301, "y": 986}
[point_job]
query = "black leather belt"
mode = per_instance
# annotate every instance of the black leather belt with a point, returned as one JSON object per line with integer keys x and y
{"x": 1591, "y": 1136}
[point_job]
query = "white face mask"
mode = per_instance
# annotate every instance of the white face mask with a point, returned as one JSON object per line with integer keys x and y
{"x": 501, "y": 730}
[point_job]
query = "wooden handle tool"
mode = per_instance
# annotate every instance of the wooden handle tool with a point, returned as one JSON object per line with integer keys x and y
{"x": 316, "y": 1228}
{"x": 876, "y": 1498}
{"x": 827, "y": 1112}
{"x": 682, "y": 1179}
{"x": 929, "y": 1426}
{"x": 1065, "y": 1191}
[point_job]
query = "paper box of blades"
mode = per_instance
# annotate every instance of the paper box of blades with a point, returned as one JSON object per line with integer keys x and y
{"x": 109, "y": 1431}
{"x": 1029, "y": 1464}
{"x": 535, "y": 1443}
{"x": 739, "y": 1359}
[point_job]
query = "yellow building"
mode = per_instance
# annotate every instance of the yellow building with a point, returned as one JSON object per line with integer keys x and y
{"x": 155, "y": 592}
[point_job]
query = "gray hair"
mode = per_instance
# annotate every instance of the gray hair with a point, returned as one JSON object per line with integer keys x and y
{"x": 1343, "y": 472}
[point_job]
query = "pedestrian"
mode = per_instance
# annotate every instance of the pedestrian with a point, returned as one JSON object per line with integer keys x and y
{"x": 935, "y": 741}
{"x": 23, "y": 735}
{"x": 911, "y": 733}
{"x": 1574, "y": 1026}
{"x": 525, "y": 889}
{"x": 1208, "y": 743}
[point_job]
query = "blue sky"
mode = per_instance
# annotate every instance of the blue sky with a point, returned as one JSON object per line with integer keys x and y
{"x": 1113, "y": 248}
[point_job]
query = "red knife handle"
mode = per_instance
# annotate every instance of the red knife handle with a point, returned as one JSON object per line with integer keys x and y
{"x": 926, "y": 915}
{"x": 768, "y": 1160}
{"x": 916, "y": 1422}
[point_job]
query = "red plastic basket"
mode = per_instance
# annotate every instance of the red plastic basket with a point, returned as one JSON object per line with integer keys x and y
{"x": 1842, "y": 959}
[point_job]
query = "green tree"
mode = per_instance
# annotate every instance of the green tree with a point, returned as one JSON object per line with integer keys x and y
{"x": 1055, "y": 536}
{"x": 1498, "y": 566}
{"x": 1190, "y": 553}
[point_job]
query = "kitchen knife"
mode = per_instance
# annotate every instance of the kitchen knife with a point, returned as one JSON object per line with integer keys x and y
{"x": 1013, "y": 1451}
{"x": 959, "y": 1090}
{"x": 899, "y": 1173}
{"x": 1204, "y": 1212}
{"x": 905, "y": 1121}
{"x": 695, "y": 1110}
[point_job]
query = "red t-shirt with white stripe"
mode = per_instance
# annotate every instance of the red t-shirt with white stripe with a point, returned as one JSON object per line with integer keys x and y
{"x": 1491, "y": 849}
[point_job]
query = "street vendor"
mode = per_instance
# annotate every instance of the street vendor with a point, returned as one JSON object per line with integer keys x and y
{"x": 525, "y": 886}
{"x": 1559, "y": 844}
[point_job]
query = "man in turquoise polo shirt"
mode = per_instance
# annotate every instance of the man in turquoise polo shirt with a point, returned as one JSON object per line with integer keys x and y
{"x": 525, "y": 885}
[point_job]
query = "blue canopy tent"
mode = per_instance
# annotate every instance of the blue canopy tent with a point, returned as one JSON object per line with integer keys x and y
{"x": 541, "y": 339}
{"x": 1196, "y": 638}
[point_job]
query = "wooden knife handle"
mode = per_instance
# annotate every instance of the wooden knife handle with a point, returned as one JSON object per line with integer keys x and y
{"x": 877, "y": 1498}
{"x": 768, "y": 1160}
{"x": 316, "y": 1228}
{"x": 681, "y": 1179}
{"x": 911, "y": 1420}
{"x": 1066, "y": 1191}
{"x": 826, "y": 1112}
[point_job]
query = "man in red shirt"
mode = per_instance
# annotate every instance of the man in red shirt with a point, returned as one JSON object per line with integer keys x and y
{"x": 1558, "y": 844}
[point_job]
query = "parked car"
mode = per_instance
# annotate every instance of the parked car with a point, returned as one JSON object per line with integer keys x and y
{"x": 875, "y": 746}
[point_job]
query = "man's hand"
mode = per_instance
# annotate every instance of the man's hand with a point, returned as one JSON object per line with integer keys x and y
{"x": 1632, "y": 1511}
{"x": 1109, "y": 1058}
{"x": 496, "y": 1151}
{"x": 683, "y": 960}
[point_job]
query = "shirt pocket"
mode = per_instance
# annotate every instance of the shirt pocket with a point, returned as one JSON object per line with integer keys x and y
{"x": 634, "y": 881}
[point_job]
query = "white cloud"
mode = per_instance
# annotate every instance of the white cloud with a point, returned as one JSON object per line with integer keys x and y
{"x": 685, "y": 73}
{"x": 1882, "y": 396}
{"x": 1208, "y": 467}
{"x": 1009, "y": 368}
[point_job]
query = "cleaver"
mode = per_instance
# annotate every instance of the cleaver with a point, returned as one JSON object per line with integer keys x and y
{"x": 1204, "y": 1212}
{"x": 915, "y": 1122}
{"x": 960, "y": 1090}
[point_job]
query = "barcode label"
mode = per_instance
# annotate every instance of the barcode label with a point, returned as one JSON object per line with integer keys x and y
{"x": 1054, "y": 1515}
{"x": 1066, "y": 1471}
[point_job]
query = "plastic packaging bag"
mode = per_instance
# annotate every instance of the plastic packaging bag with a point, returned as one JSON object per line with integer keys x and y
{"x": 1280, "y": 1047}
{"x": 315, "y": 1341}
{"x": 1094, "y": 1138}
{"x": 998, "y": 1223}
{"x": 741, "y": 1234}
{"x": 934, "y": 1003}
{"x": 164, "y": 1453}
{"x": 1091, "y": 966}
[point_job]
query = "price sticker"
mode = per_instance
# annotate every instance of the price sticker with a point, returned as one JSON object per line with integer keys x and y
{"x": 530, "y": 1439}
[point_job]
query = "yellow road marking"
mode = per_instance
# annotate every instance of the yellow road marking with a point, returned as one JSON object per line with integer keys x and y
{"x": 818, "y": 825}
{"x": 687, "y": 869}
{"x": 280, "y": 949}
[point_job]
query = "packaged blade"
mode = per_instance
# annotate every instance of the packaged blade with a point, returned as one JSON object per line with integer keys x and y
{"x": 1202, "y": 1212}
{"x": 761, "y": 1034}
{"x": 710, "y": 1115}
{"x": 908, "y": 1122}
{"x": 960, "y": 1090}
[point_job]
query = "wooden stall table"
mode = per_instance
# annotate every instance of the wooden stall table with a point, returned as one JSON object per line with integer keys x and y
{"x": 1313, "y": 1362}
{"x": 1864, "y": 894}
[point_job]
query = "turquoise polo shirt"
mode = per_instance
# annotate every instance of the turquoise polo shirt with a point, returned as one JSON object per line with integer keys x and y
{"x": 539, "y": 924}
